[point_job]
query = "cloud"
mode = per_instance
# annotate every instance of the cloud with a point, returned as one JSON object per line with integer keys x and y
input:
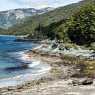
{"x": 13, "y": 4}
{"x": 32, "y": 3}
{"x": 43, "y": 3}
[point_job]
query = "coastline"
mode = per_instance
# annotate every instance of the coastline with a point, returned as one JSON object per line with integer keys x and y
{"x": 20, "y": 79}
{"x": 61, "y": 71}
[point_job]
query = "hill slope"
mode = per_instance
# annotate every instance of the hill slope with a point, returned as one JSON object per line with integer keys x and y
{"x": 11, "y": 17}
{"x": 31, "y": 24}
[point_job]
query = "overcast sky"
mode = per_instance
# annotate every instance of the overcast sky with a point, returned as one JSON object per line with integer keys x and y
{"x": 13, "y": 4}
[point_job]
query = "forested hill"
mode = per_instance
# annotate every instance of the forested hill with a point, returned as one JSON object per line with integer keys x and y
{"x": 47, "y": 18}
{"x": 47, "y": 24}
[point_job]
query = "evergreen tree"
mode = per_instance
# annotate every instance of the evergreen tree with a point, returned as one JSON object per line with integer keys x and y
{"x": 81, "y": 26}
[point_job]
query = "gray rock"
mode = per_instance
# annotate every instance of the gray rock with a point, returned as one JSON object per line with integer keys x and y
{"x": 88, "y": 81}
{"x": 82, "y": 81}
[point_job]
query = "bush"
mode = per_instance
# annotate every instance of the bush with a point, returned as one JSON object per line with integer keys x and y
{"x": 81, "y": 25}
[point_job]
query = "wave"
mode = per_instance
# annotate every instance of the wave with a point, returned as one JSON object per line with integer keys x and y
{"x": 22, "y": 78}
{"x": 20, "y": 55}
{"x": 34, "y": 63}
{"x": 37, "y": 69}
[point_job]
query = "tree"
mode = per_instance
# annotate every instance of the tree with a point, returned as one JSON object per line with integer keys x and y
{"x": 81, "y": 25}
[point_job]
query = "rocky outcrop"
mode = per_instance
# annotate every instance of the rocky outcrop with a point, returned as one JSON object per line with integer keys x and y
{"x": 82, "y": 81}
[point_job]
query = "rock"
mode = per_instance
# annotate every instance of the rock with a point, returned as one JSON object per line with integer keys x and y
{"x": 82, "y": 81}
{"x": 54, "y": 45}
{"x": 10, "y": 88}
{"x": 75, "y": 82}
{"x": 61, "y": 47}
{"x": 19, "y": 87}
{"x": 87, "y": 81}
{"x": 4, "y": 89}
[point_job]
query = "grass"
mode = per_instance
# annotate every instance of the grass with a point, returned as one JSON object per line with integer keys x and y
{"x": 57, "y": 72}
{"x": 90, "y": 68}
{"x": 87, "y": 67}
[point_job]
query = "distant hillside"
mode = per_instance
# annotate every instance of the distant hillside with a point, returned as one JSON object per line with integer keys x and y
{"x": 31, "y": 24}
{"x": 11, "y": 17}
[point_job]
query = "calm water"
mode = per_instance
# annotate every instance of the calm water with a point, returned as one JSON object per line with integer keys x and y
{"x": 9, "y": 52}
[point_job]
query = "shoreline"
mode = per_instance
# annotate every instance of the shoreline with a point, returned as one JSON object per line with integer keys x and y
{"x": 61, "y": 70}
{"x": 22, "y": 78}
{"x": 43, "y": 69}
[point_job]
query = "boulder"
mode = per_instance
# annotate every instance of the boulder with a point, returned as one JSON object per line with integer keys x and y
{"x": 87, "y": 81}
{"x": 11, "y": 88}
{"x": 82, "y": 81}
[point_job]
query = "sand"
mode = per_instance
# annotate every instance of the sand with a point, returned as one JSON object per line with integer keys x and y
{"x": 54, "y": 83}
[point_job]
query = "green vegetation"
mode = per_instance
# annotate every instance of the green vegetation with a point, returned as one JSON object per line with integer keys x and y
{"x": 92, "y": 46}
{"x": 32, "y": 23}
{"x": 89, "y": 68}
{"x": 57, "y": 72}
{"x": 81, "y": 26}
{"x": 78, "y": 28}
{"x": 73, "y": 23}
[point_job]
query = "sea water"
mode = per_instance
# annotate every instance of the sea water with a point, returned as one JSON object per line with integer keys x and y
{"x": 10, "y": 53}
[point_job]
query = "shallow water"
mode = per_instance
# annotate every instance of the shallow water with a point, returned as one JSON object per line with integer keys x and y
{"x": 10, "y": 57}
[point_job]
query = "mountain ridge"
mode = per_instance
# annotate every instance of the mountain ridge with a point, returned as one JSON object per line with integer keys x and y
{"x": 11, "y": 17}
{"x": 48, "y": 19}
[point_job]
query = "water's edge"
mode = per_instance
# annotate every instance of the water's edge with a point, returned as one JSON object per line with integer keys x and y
{"x": 12, "y": 56}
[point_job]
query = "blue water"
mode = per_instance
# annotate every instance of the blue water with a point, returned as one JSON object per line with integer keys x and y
{"x": 8, "y": 46}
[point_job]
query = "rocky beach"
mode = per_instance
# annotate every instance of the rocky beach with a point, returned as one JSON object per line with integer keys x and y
{"x": 64, "y": 77}
{"x": 47, "y": 47}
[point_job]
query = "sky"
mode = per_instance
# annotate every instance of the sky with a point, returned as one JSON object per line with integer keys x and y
{"x": 13, "y": 4}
